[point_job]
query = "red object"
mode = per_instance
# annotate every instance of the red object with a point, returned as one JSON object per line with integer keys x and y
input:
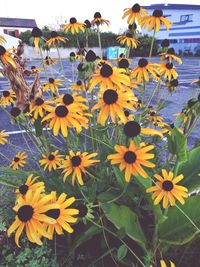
{"x": 17, "y": 33}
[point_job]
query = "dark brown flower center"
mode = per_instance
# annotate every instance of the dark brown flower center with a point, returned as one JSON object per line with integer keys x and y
{"x": 68, "y": 99}
{"x": 152, "y": 113}
{"x": 169, "y": 66}
{"x": 72, "y": 54}
{"x": 124, "y": 63}
{"x": 79, "y": 83}
{"x": 165, "y": 43}
{"x": 110, "y": 96}
{"x": 171, "y": 51}
{"x": 51, "y": 157}
{"x": 130, "y": 157}
{"x": 2, "y": 50}
{"x": 157, "y": 13}
{"x": 76, "y": 161}
{"x": 136, "y": 8}
{"x": 97, "y": 15}
{"x": 23, "y": 189}
{"x": 167, "y": 185}
{"x": 132, "y": 26}
{"x": 54, "y": 213}
{"x": 39, "y": 101}
{"x": 54, "y": 34}
{"x": 126, "y": 113}
{"x": 191, "y": 102}
{"x": 6, "y": 93}
{"x": 142, "y": 63}
{"x": 106, "y": 71}
{"x": 87, "y": 23}
{"x": 16, "y": 159}
{"x": 36, "y": 32}
{"x": 15, "y": 111}
{"x": 51, "y": 80}
{"x": 90, "y": 56}
{"x": 61, "y": 111}
{"x": 73, "y": 20}
{"x": 129, "y": 35}
{"x": 25, "y": 213}
{"x": 174, "y": 83}
{"x": 132, "y": 129}
{"x": 83, "y": 210}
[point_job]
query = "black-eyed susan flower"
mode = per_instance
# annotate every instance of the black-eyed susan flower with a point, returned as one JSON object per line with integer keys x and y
{"x": 131, "y": 158}
{"x": 87, "y": 24}
{"x": 167, "y": 70}
{"x": 30, "y": 184}
{"x": 3, "y": 136}
{"x": 48, "y": 61}
{"x": 163, "y": 264}
{"x": 127, "y": 40}
{"x": 166, "y": 189}
{"x": 135, "y": 13}
{"x": 153, "y": 117}
{"x": 52, "y": 85}
{"x": 172, "y": 85}
{"x": 55, "y": 39}
{"x": 165, "y": 43}
{"x": 74, "y": 27}
{"x": 75, "y": 99}
{"x": 112, "y": 103}
{"x": 78, "y": 86}
{"x": 61, "y": 117}
{"x": 30, "y": 214}
{"x": 98, "y": 20}
{"x": 36, "y": 35}
{"x": 7, "y": 98}
{"x": 76, "y": 164}
{"x": 141, "y": 72}
{"x": 6, "y": 57}
{"x": 15, "y": 112}
{"x": 63, "y": 215}
{"x": 170, "y": 55}
{"x": 133, "y": 128}
{"x": 38, "y": 107}
{"x": 35, "y": 69}
{"x": 155, "y": 21}
{"x": 18, "y": 161}
{"x": 2, "y": 40}
{"x": 107, "y": 77}
{"x": 123, "y": 63}
{"x": 51, "y": 161}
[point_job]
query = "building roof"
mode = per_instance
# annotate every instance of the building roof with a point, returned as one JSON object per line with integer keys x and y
{"x": 15, "y": 22}
{"x": 172, "y": 6}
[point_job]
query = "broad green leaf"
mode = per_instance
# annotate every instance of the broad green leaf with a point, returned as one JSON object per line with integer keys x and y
{"x": 109, "y": 195}
{"x": 121, "y": 252}
{"x": 190, "y": 169}
{"x": 177, "y": 144}
{"x": 177, "y": 229}
{"x": 123, "y": 217}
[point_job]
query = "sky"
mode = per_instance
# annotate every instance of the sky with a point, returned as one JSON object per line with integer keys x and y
{"x": 52, "y": 12}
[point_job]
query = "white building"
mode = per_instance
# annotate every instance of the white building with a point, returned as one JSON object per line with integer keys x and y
{"x": 184, "y": 34}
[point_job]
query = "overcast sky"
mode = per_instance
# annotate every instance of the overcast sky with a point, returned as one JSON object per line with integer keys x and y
{"x": 47, "y": 12}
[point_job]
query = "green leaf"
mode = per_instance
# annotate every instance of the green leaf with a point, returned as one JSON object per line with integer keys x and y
{"x": 123, "y": 217}
{"x": 177, "y": 229}
{"x": 177, "y": 144}
{"x": 190, "y": 169}
{"x": 119, "y": 177}
{"x": 38, "y": 127}
{"x": 121, "y": 252}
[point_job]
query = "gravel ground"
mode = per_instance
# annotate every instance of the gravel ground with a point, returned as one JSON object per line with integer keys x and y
{"x": 188, "y": 71}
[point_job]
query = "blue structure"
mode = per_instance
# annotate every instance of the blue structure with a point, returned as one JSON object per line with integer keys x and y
{"x": 184, "y": 34}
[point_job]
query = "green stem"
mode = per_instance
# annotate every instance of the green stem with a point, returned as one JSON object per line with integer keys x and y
{"x": 152, "y": 42}
{"x": 97, "y": 140}
{"x": 45, "y": 69}
{"x": 3, "y": 156}
{"x": 61, "y": 65}
{"x": 192, "y": 126}
{"x": 99, "y": 39}
{"x": 152, "y": 94}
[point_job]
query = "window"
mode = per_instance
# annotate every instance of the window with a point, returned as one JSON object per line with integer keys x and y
{"x": 185, "y": 18}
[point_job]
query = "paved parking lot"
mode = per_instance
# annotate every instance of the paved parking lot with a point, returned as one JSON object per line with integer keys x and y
{"x": 188, "y": 71}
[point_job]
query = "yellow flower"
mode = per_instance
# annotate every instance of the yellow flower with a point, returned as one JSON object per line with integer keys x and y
{"x": 155, "y": 21}
{"x": 74, "y": 26}
{"x": 6, "y": 57}
{"x": 3, "y": 136}
{"x": 141, "y": 72}
{"x": 154, "y": 118}
{"x": 163, "y": 264}
{"x": 127, "y": 40}
{"x": 52, "y": 85}
{"x": 7, "y": 98}
{"x": 79, "y": 86}
{"x": 107, "y": 77}
{"x": 48, "y": 61}
{"x": 112, "y": 103}
{"x": 131, "y": 158}
{"x": 2, "y": 40}
{"x": 167, "y": 189}
{"x": 98, "y": 20}
{"x": 76, "y": 165}
{"x": 168, "y": 71}
{"x": 55, "y": 39}
{"x": 39, "y": 108}
{"x": 170, "y": 55}
{"x": 37, "y": 35}
{"x": 18, "y": 161}
{"x": 51, "y": 161}
{"x": 135, "y": 13}
{"x": 30, "y": 214}
{"x": 29, "y": 185}
{"x": 63, "y": 215}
